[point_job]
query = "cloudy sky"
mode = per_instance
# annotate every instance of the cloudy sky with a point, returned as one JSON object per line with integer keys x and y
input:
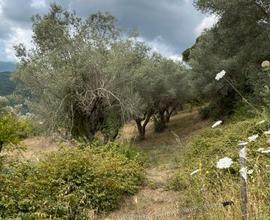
{"x": 168, "y": 26}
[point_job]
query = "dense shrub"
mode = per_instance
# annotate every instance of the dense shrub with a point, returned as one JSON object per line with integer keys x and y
{"x": 69, "y": 183}
{"x": 12, "y": 128}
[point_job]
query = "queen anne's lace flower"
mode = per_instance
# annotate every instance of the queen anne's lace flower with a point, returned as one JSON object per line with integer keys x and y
{"x": 242, "y": 143}
{"x": 264, "y": 150}
{"x": 267, "y": 132}
{"x": 220, "y": 75}
{"x": 253, "y": 137}
{"x": 224, "y": 163}
{"x": 249, "y": 172}
{"x": 266, "y": 64}
{"x": 216, "y": 124}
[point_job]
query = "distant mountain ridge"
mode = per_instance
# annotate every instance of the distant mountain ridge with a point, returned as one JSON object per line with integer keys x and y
{"x": 7, "y": 66}
{"x": 7, "y": 86}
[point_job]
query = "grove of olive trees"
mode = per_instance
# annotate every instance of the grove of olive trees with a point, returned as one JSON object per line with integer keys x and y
{"x": 86, "y": 75}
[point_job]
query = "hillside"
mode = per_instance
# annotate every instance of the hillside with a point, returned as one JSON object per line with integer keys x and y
{"x": 7, "y": 66}
{"x": 163, "y": 155}
{"x": 7, "y": 86}
{"x": 99, "y": 121}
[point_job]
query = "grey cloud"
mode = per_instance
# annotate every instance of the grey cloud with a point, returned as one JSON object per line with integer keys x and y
{"x": 172, "y": 20}
{"x": 18, "y": 11}
{"x": 4, "y": 29}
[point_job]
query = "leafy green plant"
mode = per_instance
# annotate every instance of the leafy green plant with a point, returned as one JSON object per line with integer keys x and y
{"x": 12, "y": 129}
{"x": 69, "y": 183}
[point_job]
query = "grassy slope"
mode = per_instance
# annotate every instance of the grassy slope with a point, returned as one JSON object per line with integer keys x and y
{"x": 188, "y": 144}
{"x": 163, "y": 153}
{"x": 212, "y": 185}
{"x": 164, "y": 158}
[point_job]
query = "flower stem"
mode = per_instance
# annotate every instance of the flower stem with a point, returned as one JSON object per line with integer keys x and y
{"x": 239, "y": 93}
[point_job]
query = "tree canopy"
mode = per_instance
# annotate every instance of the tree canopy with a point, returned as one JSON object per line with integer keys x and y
{"x": 238, "y": 43}
{"x": 86, "y": 75}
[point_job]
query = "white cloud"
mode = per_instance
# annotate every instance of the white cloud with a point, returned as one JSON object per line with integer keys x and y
{"x": 174, "y": 20}
{"x": 18, "y": 35}
{"x": 38, "y": 4}
{"x": 1, "y": 6}
{"x": 22, "y": 35}
{"x": 159, "y": 45}
{"x": 176, "y": 58}
{"x": 1, "y": 9}
{"x": 206, "y": 23}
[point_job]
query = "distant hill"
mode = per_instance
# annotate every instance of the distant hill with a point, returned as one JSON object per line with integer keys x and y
{"x": 7, "y": 86}
{"x": 7, "y": 66}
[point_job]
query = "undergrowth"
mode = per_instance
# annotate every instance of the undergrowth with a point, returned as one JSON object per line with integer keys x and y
{"x": 210, "y": 185}
{"x": 69, "y": 183}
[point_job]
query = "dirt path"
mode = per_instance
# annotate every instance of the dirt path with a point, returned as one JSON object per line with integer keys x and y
{"x": 154, "y": 200}
{"x": 163, "y": 151}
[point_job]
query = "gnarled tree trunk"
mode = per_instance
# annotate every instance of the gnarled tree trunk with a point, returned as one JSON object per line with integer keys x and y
{"x": 141, "y": 124}
{"x": 168, "y": 113}
{"x": 160, "y": 121}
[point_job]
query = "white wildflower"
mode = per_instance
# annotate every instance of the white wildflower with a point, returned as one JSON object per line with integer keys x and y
{"x": 41, "y": 122}
{"x": 260, "y": 149}
{"x": 249, "y": 172}
{"x": 216, "y": 124}
{"x": 253, "y": 137}
{"x": 194, "y": 172}
{"x": 220, "y": 75}
{"x": 224, "y": 163}
{"x": 264, "y": 150}
{"x": 265, "y": 64}
{"x": 267, "y": 132}
{"x": 242, "y": 143}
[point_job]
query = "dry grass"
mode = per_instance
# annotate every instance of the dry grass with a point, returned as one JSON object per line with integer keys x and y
{"x": 35, "y": 148}
{"x": 164, "y": 159}
{"x": 163, "y": 150}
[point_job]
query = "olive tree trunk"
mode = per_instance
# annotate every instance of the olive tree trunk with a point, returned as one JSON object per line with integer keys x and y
{"x": 160, "y": 121}
{"x": 141, "y": 125}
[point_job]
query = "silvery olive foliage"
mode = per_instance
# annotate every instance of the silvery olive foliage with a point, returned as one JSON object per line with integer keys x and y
{"x": 86, "y": 75}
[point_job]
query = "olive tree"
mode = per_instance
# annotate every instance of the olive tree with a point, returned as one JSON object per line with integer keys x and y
{"x": 161, "y": 87}
{"x": 174, "y": 91}
{"x": 78, "y": 76}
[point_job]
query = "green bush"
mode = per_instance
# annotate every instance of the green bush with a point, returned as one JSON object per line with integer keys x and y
{"x": 69, "y": 183}
{"x": 13, "y": 128}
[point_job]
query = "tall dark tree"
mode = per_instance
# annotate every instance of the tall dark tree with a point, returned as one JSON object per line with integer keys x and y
{"x": 238, "y": 43}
